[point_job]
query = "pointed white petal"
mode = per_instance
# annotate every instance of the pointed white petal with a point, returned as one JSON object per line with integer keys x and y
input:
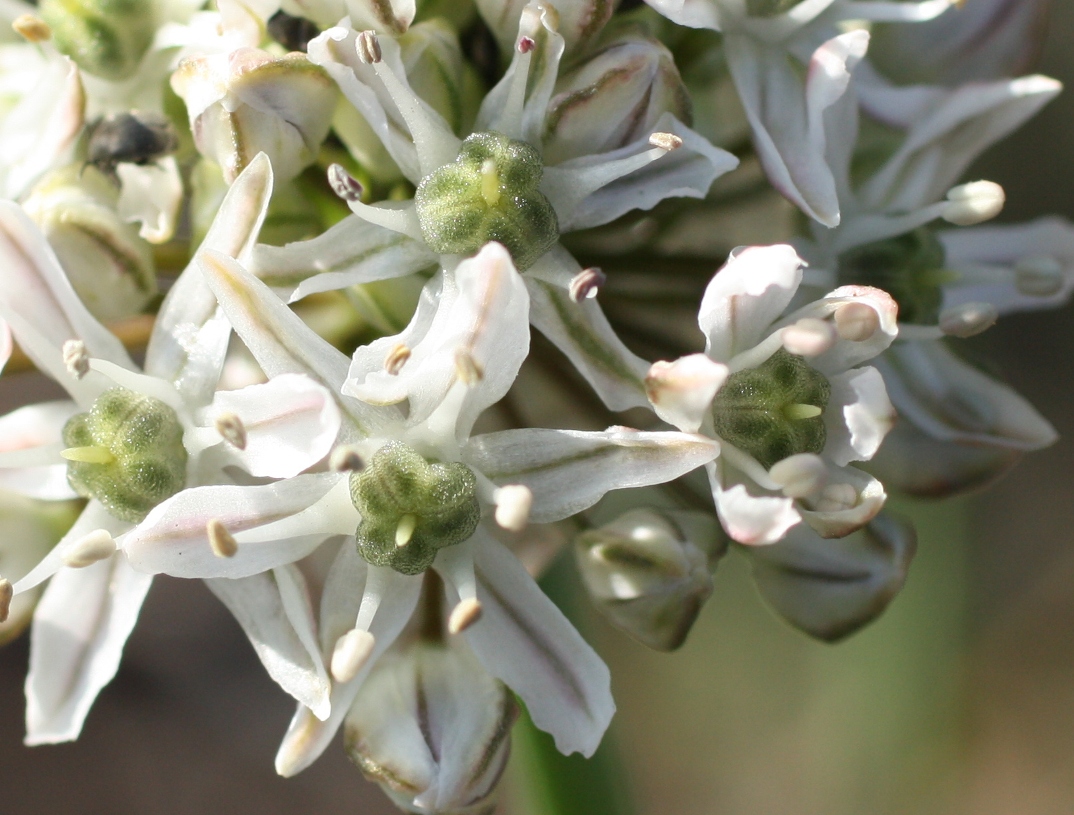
{"x": 682, "y": 391}
{"x": 36, "y": 426}
{"x": 751, "y": 519}
{"x": 858, "y": 416}
{"x": 151, "y": 194}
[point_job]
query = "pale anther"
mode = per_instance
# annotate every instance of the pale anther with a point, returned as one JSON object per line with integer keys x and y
{"x": 968, "y": 319}
{"x": 586, "y": 283}
{"x": 836, "y": 498}
{"x": 974, "y": 203}
{"x": 467, "y": 369}
{"x": 397, "y": 358}
{"x": 368, "y": 47}
{"x": 856, "y": 322}
{"x": 1039, "y": 276}
{"x": 345, "y": 459}
{"x": 801, "y": 475}
{"x": 75, "y": 358}
{"x": 223, "y": 543}
{"x": 513, "y": 505}
{"x": 343, "y": 183}
{"x": 232, "y": 430}
{"x": 665, "y": 141}
{"x": 31, "y": 28}
{"x": 351, "y": 653}
{"x": 95, "y": 546}
{"x": 809, "y": 337}
{"x": 405, "y": 530}
{"x": 6, "y": 593}
{"x": 464, "y": 615}
{"x": 526, "y": 44}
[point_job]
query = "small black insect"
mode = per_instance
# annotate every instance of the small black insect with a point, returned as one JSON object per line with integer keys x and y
{"x": 293, "y": 33}
{"x": 135, "y": 138}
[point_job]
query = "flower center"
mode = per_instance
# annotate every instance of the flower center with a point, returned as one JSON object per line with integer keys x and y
{"x": 411, "y": 508}
{"x": 127, "y": 452}
{"x": 774, "y": 410}
{"x": 489, "y": 193}
{"x": 909, "y": 267}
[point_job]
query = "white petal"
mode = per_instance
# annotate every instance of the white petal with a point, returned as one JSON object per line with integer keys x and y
{"x": 36, "y": 426}
{"x": 750, "y": 519}
{"x": 682, "y": 391}
{"x": 570, "y": 470}
{"x": 836, "y": 524}
{"x": 858, "y": 416}
{"x": 151, "y": 194}
{"x": 80, "y": 627}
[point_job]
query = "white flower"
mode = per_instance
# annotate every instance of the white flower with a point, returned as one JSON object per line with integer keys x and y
{"x": 785, "y": 398}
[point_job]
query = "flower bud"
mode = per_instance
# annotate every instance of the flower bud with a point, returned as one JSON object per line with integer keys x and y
{"x": 650, "y": 572}
{"x": 974, "y": 203}
{"x": 109, "y": 265}
{"x": 107, "y": 38}
{"x": 383, "y": 16}
{"x": 830, "y": 588}
{"x": 578, "y": 21}
{"x": 614, "y": 98}
{"x": 249, "y": 101}
{"x": 432, "y": 727}
{"x": 438, "y": 73}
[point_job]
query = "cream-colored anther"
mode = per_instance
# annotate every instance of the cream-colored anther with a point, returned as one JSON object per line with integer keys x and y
{"x": 836, "y": 498}
{"x": 974, "y": 203}
{"x": 397, "y": 357}
{"x": 344, "y": 184}
{"x": 467, "y": 369}
{"x": 513, "y": 505}
{"x": 1039, "y": 276}
{"x": 968, "y": 320}
{"x": 405, "y": 529}
{"x": 223, "y": 543}
{"x": 586, "y": 284}
{"x": 345, "y": 458}
{"x": 665, "y": 141}
{"x": 97, "y": 545}
{"x": 368, "y": 47}
{"x": 75, "y": 358}
{"x": 231, "y": 430}
{"x": 31, "y": 28}
{"x": 809, "y": 337}
{"x": 856, "y": 322}
{"x": 351, "y": 653}
{"x": 801, "y": 475}
{"x": 464, "y": 615}
{"x": 6, "y": 593}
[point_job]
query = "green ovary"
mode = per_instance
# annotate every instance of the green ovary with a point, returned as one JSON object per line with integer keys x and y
{"x": 127, "y": 452}
{"x": 411, "y": 508}
{"x": 766, "y": 411}
{"x": 489, "y": 193}
{"x": 107, "y": 38}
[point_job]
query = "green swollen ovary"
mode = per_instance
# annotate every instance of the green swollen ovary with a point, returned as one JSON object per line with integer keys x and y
{"x": 127, "y": 452}
{"x": 489, "y": 193}
{"x": 107, "y": 38}
{"x": 411, "y": 508}
{"x": 909, "y": 267}
{"x": 774, "y": 410}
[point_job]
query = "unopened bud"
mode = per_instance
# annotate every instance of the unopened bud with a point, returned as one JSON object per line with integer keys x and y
{"x": 464, "y": 615}
{"x": 368, "y": 47}
{"x": 1039, "y": 276}
{"x": 801, "y": 475}
{"x": 6, "y": 593}
{"x": 856, "y": 322}
{"x": 586, "y": 283}
{"x": 344, "y": 184}
{"x": 31, "y": 28}
{"x": 104, "y": 37}
{"x": 974, "y": 203}
{"x": 75, "y": 358}
{"x": 345, "y": 459}
{"x": 223, "y": 543}
{"x": 836, "y": 498}
{"x": 468, "y": 369}
{"x": 513, "y": 505}
{"x": 232, "y": 430}
{"x": 665, "y": 141}
{"x": 97, "y": 545}
{"x": 397, "y": 357}
{"x": 968, "y": 319}
{"x": 809, "y": 337}
{"x": 351, "y": 653}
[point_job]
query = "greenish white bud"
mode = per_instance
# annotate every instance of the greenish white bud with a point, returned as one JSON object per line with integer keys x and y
{"x": 650, "y": 572}
{"x": 127, "y": 452}
{"x": 489, "y": 193}
{"x": 107, "y": 38}
{"x": 411, "y": 508}
{"x": 109, "y": 265}
{"x": 438, "y": 73}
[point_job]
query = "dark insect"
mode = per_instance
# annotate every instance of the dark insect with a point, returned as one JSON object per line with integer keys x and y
{"x": 134, "y": 138}
{"x": 293, "y": 33}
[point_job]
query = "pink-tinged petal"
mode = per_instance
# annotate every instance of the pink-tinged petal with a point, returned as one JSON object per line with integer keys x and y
{"x": 273, "y": 609}
{"x": 80, "y": 627}
{"x": 858, "y": 416}
{"x": 836, "y": 521}
{"x": 832, "y": 588}
{"x": 526, "y": 642}
{"x": 290, "y": 422}
{"x": 36, "y": 426}
{"x": 570, "y": 470}
{"x": 190, "y": 336}
{"x": 749, "y": 519}
{"x": 306, "y": 736}
{"x": 274, "y": 525}
{"x": 746, "y": 296}
{"x": 681, "y": 392}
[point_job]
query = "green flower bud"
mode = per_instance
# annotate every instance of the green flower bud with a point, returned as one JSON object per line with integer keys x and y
{"x": 107, "y": 38}
{"x": 127, "y": 452}
{"x": 412, "y": 508}
{"x": 774, "y": 410}
{"x": 910, "y": 268}
{"x": 489, "y": 193}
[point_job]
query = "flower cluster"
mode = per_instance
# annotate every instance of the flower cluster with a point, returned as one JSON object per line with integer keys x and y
{"x": 414, "y": 255}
